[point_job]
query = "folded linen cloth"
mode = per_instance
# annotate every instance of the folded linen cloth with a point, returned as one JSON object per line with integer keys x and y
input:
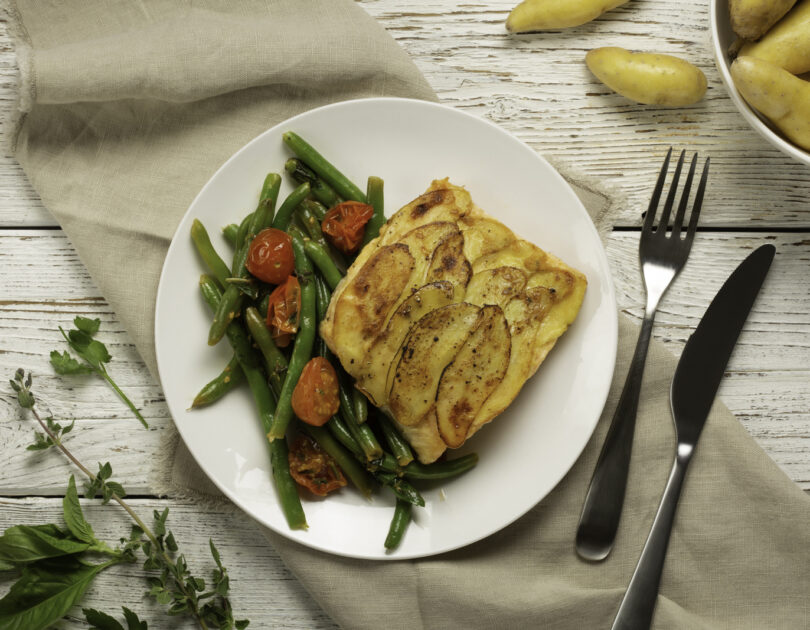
{"x": 128, "y": 108}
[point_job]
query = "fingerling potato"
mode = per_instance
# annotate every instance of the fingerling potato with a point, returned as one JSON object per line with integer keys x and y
{"x": 538, "y": 15}
{"x": 648, "y": 78}
{"x": 787, "y": 44}
{"x": 780, "y": 96}
{"x": 751, "y": 19}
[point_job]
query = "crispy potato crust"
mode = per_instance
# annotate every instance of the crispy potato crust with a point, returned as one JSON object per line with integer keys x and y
{"x": 444, "y": 316}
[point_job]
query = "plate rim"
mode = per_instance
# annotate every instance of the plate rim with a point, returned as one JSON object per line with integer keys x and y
{"x": 611, "y": 309}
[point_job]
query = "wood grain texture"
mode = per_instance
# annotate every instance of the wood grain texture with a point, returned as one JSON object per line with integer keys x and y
{"x": 768, "y": 384}
{"x": 537, "y": 86}
{"x": 264, "y": 591}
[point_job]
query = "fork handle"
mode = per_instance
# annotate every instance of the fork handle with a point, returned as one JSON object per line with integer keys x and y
{"x": 603, "y": 503}
{"x": 638, "y": 605}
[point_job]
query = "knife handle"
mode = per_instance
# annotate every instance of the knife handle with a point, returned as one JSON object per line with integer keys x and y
{"x": 638, "y": 605}
{"x": 603, "y": 503}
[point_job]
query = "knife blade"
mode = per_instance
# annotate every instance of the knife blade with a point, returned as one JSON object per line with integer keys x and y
{"x": 694, "y": 386}
{"x": 707, "y": 351}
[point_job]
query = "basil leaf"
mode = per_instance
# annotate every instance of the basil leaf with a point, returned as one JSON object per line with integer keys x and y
{"x": 23, "y": 544}
{"x": 133, "y": 623}
{"x": 45, "y": 592}
{"x": 6, "y": 566}
{"x": 101, "y": 621}
{"x": 74, "y": 517}
{"x": 90, "y": 326}
{"x": 66, "y": 364}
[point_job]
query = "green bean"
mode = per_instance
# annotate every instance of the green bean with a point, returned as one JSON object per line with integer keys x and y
{"x": 231, "y": 234}
{"x": 224, "y": 382}
{"x": 441, "y": 470}
{"x": 327, "y": 267}
{"x": 312, "y": 225}
{"x": 245, "y": 354}
{"x": 304, "y": 340}
{"x": 361, "y": 433}
{"x": 322, "y": 297}
{"x": 317, "y": 208}
{"x": 243, "y": 228}
{"x": 270, "y": 188}
{"x": 285, "y": 485}
{"x": 322, "y": 191}
{"x": 286, "y": 210}
{"x": 274, "y": 361}
{"x": 401, "y": 488}
{"x": 338, "y": 429}
{"x": 347, "y": 463}
{"x": 399, "y": 523}
{"x": 399, "y": 447}
{"x": 279, "y": 459}
{"x": 323, "y": 167}
{"x": 207, "y": 252}
{"x": 360, "y": 405}
{"x": 231, "y": 303}
{"x": 374, "y": 193}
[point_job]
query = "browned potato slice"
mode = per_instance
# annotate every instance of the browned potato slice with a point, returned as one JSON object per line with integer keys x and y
{"x": 520, "y": 254}
{"x": 363, "y": 306}
{"x": 560, "y": 281}
{"x": 473, "y": 375}
{"x": 495, "y": 286}
{"x": 525, "y": 314}
{"x": 442, "y": 202}
{"x": 373, "y": 370}
{"x": 432, "y": 344}
{"x": 483, "y": 235}
{"x": 448, "y": 263}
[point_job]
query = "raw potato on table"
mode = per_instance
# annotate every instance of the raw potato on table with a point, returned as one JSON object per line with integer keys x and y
{"x": 648, "y": 78}
{"x": 444, "y": 316}
{"x": 787, "y": 44}
{"x": 538, "y": 15}
{"x": 751, "y": 19}
{"x": 782, "y": 97}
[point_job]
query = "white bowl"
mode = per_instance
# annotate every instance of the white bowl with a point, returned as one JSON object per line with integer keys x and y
{"x": 722, "y": 39}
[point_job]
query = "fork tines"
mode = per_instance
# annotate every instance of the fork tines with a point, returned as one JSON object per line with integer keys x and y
{"x": 677, "y": 224}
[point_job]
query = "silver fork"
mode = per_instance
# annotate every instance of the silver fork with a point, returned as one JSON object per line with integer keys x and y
{"x": 662, "y": 256}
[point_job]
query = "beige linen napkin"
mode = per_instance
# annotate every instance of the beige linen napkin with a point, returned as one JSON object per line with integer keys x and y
{"x": 129, "y": 107}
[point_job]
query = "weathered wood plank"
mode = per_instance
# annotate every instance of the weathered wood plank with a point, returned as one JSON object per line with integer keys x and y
{"x": 537, "y": 86}
{"x": 768, "y": 385}
{"x": 263, "y": 590}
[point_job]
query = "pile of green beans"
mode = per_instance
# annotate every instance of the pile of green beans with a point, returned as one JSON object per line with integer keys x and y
{"x": 363, "y": 442}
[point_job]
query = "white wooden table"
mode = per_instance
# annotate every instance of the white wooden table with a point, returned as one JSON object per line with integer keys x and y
{"x": 536, "y": 86}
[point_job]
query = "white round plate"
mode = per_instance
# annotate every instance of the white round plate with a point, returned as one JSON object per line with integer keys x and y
{"x": 525, "y": 452}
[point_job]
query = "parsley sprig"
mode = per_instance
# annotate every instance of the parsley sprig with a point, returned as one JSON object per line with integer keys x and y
{"x": 93, "y": 352}
{"x": 57, "y": 564}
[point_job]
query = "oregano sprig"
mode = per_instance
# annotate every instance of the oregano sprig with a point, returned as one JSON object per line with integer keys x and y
{"x": 93, "y": 352}
{"x": 53, "y": 561}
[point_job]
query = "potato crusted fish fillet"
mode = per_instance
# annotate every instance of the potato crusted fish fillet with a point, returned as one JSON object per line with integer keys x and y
{"x": 444, "y": 316}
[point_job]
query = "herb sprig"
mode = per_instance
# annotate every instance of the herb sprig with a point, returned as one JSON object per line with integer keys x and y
{"x": 93, "y": 352}
{"x": 57, "y": 564}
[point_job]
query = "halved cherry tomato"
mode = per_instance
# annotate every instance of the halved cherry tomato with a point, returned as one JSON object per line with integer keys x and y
{"x": 313, "y": 468}
{"x": 315, "y": 397}
{"x": 345, "y": 224}
{"x": 283, "y": 311}
{"x": 270, "y": 256}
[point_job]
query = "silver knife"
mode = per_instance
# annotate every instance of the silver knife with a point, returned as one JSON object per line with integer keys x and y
{"x": 694, "y": 386}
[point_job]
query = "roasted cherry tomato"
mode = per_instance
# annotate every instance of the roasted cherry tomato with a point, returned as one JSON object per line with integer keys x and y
{"x": 313, "y": 468}
{"x": 315, "y": 397}
{"x": 270, "y": 256}
{"x": 283, "y": 310}
{"x": 345, "y": 224}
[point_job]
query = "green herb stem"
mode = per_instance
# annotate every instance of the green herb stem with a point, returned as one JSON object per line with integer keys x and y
{"x": 103, "y": 373}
